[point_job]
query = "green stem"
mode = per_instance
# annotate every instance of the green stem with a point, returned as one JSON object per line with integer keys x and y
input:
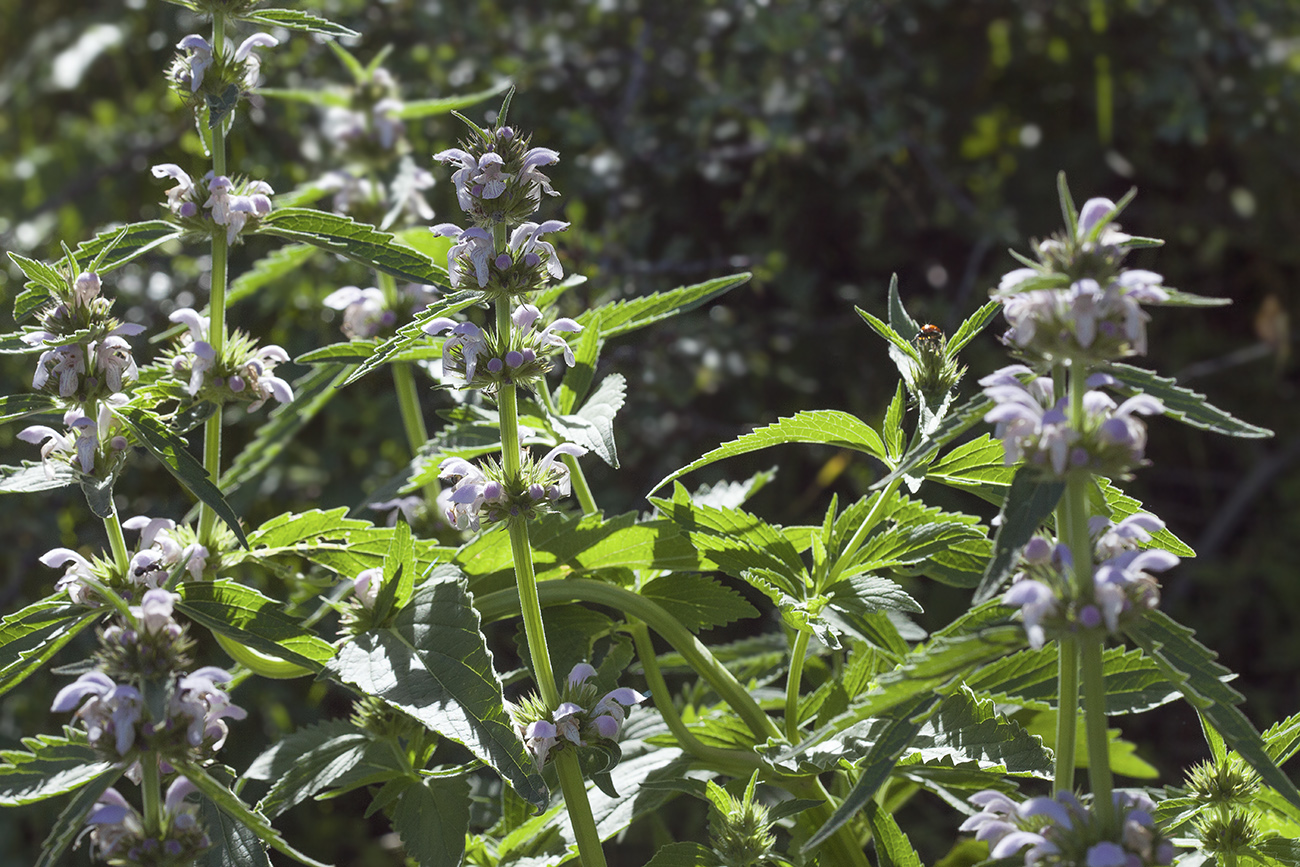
{"x": 531, "y": 609}
{"x": 111, "y": 597}
{"x": 216, "y": 318}
{"x": 860, "y": 535}
{"x": 575, "y": 798}
{"x": 1094, "y": 709}
{"x": 793, "y": 684}
{"x": 581, "y": 489}
{"x": 1067, "y": 714}
{"x": 734, "y": 762}
{"x": 151, "y": 794}
{"x": 116, "y": 541}
{"x": 503, "y": 603}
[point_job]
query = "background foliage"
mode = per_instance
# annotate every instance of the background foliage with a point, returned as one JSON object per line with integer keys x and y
{"x": 821, "y": 144}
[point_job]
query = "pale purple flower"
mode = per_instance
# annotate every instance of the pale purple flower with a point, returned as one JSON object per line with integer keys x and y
{"x": 1132, "y": 531}
{"x": 52, "y": 443}
{"x": 467, "y": 498}
{"x": 114, "y": 824}
{"x": 109, "y": 710}
{"x": 407, "y": 507}
{"x": 461, "y": 177}
{"x": 364, "y": 312}
{"x": 75, "y": 578}
{"x": 65, "y": 363}
{"x": 200, "y": 58}
{"x": 203, "y": 707}
{"x": 550, "y": 466}
{"x": 85, "y": 288}
{"x": 580, "y": 674}
{"x": 529, "y": 173}
{"x": 539, "y": 737}
{"x": 349, "y": 189}
{"x": 491, "y": 180}
{"x": 385, "y": 117}
{"x": 1036, "y": 601}
{"x": 252, "y": 63}
{"x": 466, "y": 337}
{"x": 154, "y": 613}
{"x": 406, "y": 193}
{"x": 474, "y": 244}
{"x": 526, "y": 245}
{"x": 1106, "y": 854}
{"x": 1012, "y": 843}
{"x": 181, "y": 195}
{"x": 567, "y": 719}
{"x": 113, "y": 358}
{"x": 365, "y": 587}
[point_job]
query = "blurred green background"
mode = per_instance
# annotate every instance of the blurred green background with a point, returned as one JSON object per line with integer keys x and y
{"x": 820, "y": 144}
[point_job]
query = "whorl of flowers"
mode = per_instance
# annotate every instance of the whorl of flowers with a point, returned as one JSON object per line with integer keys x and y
{"x": 85, "y": 355}
{"x": 235, "y": 205}
{"x": 244, "y": 373}
{"x": 1045, "y": 590}
{"x": 527, "y": 264}
{"x": 584, "y": 717}
{"x": 367, "y": 313}
{"x": 1062, "y": 832}
{"x": 373, "y": 201}
{"x": 479, "y": 359}
{"x": 198, "y": 72}
{"x": 499, "y": 176}
{"x": 1077, "y": 302}
{"x": 482, "y": 492}
{"x": 90, "y": 446}
{"x": 1037, "y": 429}
{"x": 118, "y": 836}
{"x": 110, "y": 700}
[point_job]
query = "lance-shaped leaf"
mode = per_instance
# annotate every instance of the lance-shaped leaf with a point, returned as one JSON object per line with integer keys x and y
{"x": 50, "y": 766}
{"x": 122, "y": 244}
{"x": 1108, "y": 499}
{"x": 39, "y": 274}
{"x": 72, "y": 821}
{"x": 953, "y": 425}
{"x": 432, "y": 663}
{"x": 447, "y": 104}
{"x": 1030, "y": 502}
{"x": 230, "y": 804}
{"x": 293, "y": 19}
{"x": 1191, "y": 668}
{"x": 28, "y": 638}
{"x": 893, "y": 849}
{"x": 977, "y": 466}
{"x": 820, "y": 427}
{"x": 254, "y": 620}
{"x": 412, "y": 334}
{"x": 592, "y": 427}
{"x": 174, "y": 454}
{"x": 330, "y": 539}
{"x": 624, "y": 316}
{"x": 233, "y": 845}
{"x": 359, "y": 242}
{"x": 1183, "y": 404}
{"x": 399, "y": 573}
{"x": 974, "y": 324}
{"x": 16, "y": 406}
{"x": 32, "y": 477}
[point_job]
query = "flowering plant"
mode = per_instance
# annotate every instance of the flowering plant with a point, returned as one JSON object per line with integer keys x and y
{"x": 800, "y": 746}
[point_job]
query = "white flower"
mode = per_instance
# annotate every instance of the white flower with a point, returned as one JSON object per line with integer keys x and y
{"x": 529, "y": 173}
{"x": 74, "y": 578}
{"x": 466, "y": 337}
{"x": 474, "y": 244}
{"x": 364, "y": 313}
{"x": 200, "y": 58}
{"x": 527, "y": 246}
{"x": 252, "y": 63}
{"x": 180, "y": 198}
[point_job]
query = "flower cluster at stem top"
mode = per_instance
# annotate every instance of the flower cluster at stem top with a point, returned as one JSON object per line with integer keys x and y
{"x": 499, "y": 178}
{"x": 1063, "y": 832}
{"x": 583, "y": 717}
{"x": 1045, "y": 590}
{"x": 1108, "y": 440}
{"x": 1077, "y": 303}
{"x": 486, "y": 493}
{"x": 198, "y": 72}
{"x": 164, "y": 549}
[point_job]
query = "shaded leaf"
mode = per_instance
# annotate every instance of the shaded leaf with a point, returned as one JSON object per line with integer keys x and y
{"x": 250, "y": 618}
{"x": 32, "y": 477}
{"x": 51, "y": 766}
{"x": 431, "y": 818}
{"x": 1030, "y": 501}
{"x": 72, "y": 820}
{"x": 310, "y": 760}
{"x": 360, "y": 242}
{"x": 1183, "y": 404}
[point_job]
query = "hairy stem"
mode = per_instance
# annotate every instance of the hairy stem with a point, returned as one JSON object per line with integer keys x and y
{"x": 216, "y": 315}
{"x": 575, "y": 798}
{"x": 151, "y": 794}
{"x": 1067, "y": 713}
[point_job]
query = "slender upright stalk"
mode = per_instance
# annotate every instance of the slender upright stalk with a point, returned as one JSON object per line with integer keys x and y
{"x": 1067, "y": 705}
{"x": 113, "y": 527}
{"x": 574, "y": 789}
{"x": 792, "y": 686}
{"x": 531, "y": 609}
{"x": 151, "y": 794}
{"x": 216, "y": 309}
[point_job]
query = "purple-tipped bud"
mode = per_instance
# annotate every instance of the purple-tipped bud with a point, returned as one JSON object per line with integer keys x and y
{"x": 1038, "y": 550}
{"x": 1090, "y": 616}
{"x": 505, "y": 133}
{"x": 503, "y": 261}
{"x": 495, "y": 365}
{"x": 532, "y": 260}
{"x": 514, "y": 359}
{"x": 536, "y": 491}
{"x": 606, "y": 726}
{"x": 236, "y": 384}
{"x": 117, "y": 443}
{"x": 529, "y": 356}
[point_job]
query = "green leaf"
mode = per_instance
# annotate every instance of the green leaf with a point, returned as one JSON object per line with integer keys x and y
{"x": 446, "y": 679}
{"x": 283, "y": 261}
{"x": 1191, "y": 668}
{"x": 310, "y": 760}
{"x": 252, "y": 619}
{"x": 447, "y": 104}
{"x": 969, "y": 329}
{"x": 53, "y": 766}
{"x": 1178, "y": 298}
{"x": 22, "y": 405}
{"x": 862, "y": 594}
{"x": 1030, "y": 501}
{"x": 45, "y": 276}
{"x": 411, "y": 334}
{"x": 399, "y": 573}
{"x": 174, "y": 454}
{"x": 431, "y": 818}
{"x": 1110, "y": 500}
{"x": 230, "y": 804}
{"x": 629, "y": 315}
{"x": 125, "y": 243}
{"x": 33, "y": 477}
{"x": 1283, "y": 739}
{"x": 698, "y": 601}
{"x": 954, "y": 424}
{"x": 72, "y": 821}
{"x": 976, "y": 466}
{"x": 899, "y": 318}
{"x": 31, "y": 636}
{"x": 891, "y": 429}
{"x": 820, "y": 427}
{"x": 359, "y": 242}
{"x": 897, "y": 341}
{"x": 321, "y": 98}
{"x": 293, "y": 19}
{"x": 330, "y": 539}
{"x": 233, "y": 845}
{"x": 1183, "y": 404}
{"x": 592, "y": 427}
{"x": 893, "y": 849}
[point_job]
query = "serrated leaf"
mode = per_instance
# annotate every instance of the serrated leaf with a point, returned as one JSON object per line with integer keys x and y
{"x": 592, "y": 427}
{"x": 360, "y": 242}
{"x": 447, "y": 104}
{"x": 819, "y": 427}
{"x": 1119, "y": 505}
{"x": 52, "y": 766}
{"x": 977, "y": 466}
{"x": 431, "y": 818}
{"x": 897, "y": 341}
{"x": 446, "y": 679}
{"x": 72, "y": 820}
{"x": 621, "y": 317}
{"x": 250, "y": 618}
{"x": 862, "y": 594}
{"x": 398, "y": 574}
{"x": 293, "y": 19}
{"x": 697, "y": 601}
{"x": 173, "y": 453}
{"x": 891, "y": 429}
{"x": 284, "y": 260}
{"x": 22, "y": 405}
{"x": 310, "y": 760}
{"x": 330, "y": 539}
{"x": 233, "y": 845}
{"x": 127, "y": 243}
{"x": 893, "y": 849}
{"x": 974, "y": 324}
{"x": 45, "y": 276}
{"x": 1183, "y": 404}
{"x": 31, "y": 636}
{"x": 954, "y": 424}
{"x": 412, "y": 334}
{"x": 1283, "y": 739}
{"x": 899, "y": 318}
{"x": 684, "y": 855}
{"x": 32, "y": 477}
{"x": 1191, "y": 668}
{"x": 230, "y": 804}
{"x": 1030, "y": 501}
